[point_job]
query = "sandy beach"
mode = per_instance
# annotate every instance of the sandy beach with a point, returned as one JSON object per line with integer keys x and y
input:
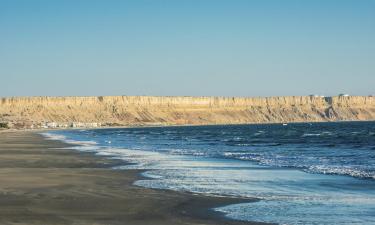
{"x": 44, "y": 184}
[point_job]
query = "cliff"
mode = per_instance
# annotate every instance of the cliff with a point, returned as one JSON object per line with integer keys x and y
{"x": 144, "y": 110}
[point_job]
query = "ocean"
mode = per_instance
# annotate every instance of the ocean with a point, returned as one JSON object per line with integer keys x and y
{"x": 304, "y": 173}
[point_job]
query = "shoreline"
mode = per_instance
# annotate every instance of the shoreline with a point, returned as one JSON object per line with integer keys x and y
{"x": 179, "y": 125}
{"x": 43, "y": 183}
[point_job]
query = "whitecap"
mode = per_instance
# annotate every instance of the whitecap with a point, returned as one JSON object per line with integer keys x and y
{"x": 310, "y": 134}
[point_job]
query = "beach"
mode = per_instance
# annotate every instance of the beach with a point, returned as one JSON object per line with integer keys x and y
{"x": 42, "y": 183}
{"x": 187, "y": 112}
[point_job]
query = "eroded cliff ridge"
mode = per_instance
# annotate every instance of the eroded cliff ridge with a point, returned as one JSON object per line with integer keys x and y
{"x": 145, "y": 110}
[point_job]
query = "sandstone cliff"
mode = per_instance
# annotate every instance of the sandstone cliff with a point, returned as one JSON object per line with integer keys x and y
{"x": 144, "y": 110}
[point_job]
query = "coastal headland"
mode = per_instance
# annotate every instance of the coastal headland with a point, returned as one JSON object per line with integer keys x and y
{"x": 107, "y": 111}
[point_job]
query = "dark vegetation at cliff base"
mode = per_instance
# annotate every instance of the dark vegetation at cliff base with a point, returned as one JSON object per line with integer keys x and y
{"x": 3, "y": 125}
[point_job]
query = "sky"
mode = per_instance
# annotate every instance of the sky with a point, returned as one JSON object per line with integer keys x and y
{"x": 187, "y": 47}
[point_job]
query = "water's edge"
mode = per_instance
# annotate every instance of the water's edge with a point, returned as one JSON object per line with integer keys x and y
{"x": 212, "y": 210}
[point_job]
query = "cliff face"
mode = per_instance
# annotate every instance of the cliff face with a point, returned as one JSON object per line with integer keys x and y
{"x": 143, "y": 110}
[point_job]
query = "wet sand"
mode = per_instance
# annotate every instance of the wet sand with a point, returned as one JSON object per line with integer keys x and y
{"x": 42, "y": 184}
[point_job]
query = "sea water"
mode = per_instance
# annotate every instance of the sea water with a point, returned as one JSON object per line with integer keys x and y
{"x": 319, "y": 173}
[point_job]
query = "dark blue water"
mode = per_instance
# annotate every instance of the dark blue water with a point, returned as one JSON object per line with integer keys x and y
{"x": 321, "y": 173}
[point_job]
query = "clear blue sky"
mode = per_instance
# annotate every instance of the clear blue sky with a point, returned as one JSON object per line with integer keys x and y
{"x": 187, "y": 47}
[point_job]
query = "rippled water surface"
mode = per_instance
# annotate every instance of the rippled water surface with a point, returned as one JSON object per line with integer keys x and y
{"x": 321, "y": 173}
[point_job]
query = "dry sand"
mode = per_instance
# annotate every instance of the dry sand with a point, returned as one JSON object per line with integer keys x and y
{"x": 41, "y": 184}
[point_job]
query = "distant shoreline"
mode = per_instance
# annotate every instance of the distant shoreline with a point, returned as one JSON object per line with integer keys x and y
{"x": 185, "y": 125}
